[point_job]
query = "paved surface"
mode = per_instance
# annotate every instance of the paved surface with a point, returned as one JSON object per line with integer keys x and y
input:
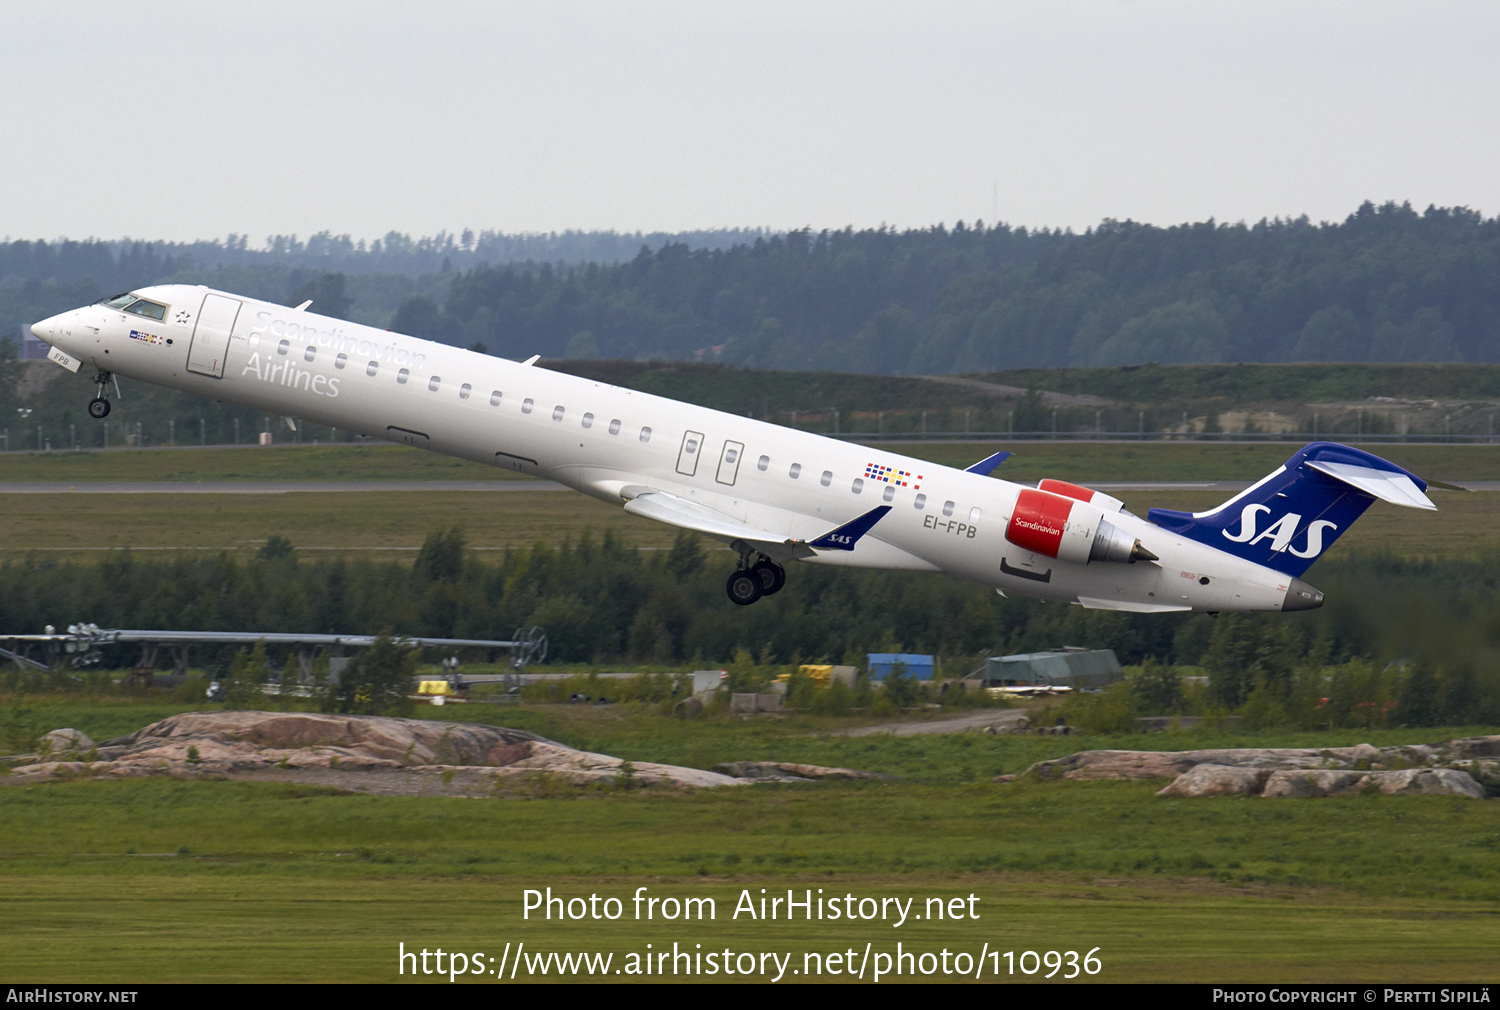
{"x": 273, "y": 487}
{"x": 960, "y": 724}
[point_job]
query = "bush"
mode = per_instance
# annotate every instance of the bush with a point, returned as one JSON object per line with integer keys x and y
{"x": 379, "y": 680}
{"x": 244, "y": 687}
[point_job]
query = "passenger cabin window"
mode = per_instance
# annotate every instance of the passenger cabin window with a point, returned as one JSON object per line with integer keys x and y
{"x": 763, "y": 462}
{"x": 527, "y": 404}
{"x": 310, "y": 353}
{"x": 341, "y": 360}
{"x": 890, "y": 492}
{"x": 281, "y": 348}
{"x": 947, "y": 508}
{"x": 645, "y": 434}
{"x": 495, "y": 398}
{"x": 557, "y": 413}
{"x": 827, "y": 478}
{"x": 614, "y": 426}
{"x": 464, "y": 391}
{"x": 372, "y": 368}
{"x": 151, "y": 310}
{"x": 588, "y": 420}
{"x": 920, "y": 501}
{"x": 794, "y": 471}
{"x": 858, "y": 485}
{"x": 974, "y": 514}
{"x": 403, "y": 375}
{"x": 433, "y": 384}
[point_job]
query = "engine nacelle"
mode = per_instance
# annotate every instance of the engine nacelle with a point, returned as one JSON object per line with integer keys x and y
{"x": 1108, "y": 503}
{"x": 1068, "y": 529}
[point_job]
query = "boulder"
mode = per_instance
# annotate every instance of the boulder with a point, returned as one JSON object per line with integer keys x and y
{"x": 1217, "y": 780}
{"x": 1404, "y": 782}
{"x": 1470, "y": 747}
{"x": 64, "y": 742}
{"x": 688, "y": 708}
{"x": 789, "y": 771}
{"x": 1133, "y": 764}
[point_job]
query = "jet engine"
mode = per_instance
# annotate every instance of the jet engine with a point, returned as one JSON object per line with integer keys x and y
{"x": 1108, "y": 503}
{"x": 1065, "y": 528}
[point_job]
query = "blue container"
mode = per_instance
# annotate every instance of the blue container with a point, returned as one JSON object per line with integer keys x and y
{"x": 883, "y": 663}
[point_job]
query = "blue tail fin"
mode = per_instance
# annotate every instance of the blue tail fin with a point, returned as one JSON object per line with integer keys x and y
{"x": 1292, "y": 516}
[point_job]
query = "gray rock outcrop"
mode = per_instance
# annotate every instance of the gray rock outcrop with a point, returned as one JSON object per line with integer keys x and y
{"x": 1462, "y": 767}
{"x": 789, "y": 771}
{"x": 224, "y": 743}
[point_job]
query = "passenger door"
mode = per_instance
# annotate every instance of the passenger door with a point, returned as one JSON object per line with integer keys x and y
{"x": 211, "y": 335}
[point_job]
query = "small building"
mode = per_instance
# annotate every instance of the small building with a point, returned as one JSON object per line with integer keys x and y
{"x": 883, "y": 663}
{"x": 1071, "y": 667}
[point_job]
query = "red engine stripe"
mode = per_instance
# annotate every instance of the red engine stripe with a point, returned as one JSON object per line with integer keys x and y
{"x": 1062, "y": 487}
{"x": 1036, "y": 525}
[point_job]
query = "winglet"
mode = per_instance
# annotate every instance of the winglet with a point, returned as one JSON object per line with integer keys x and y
{"x": 846, "y": 536}
{"x": 987, "y": 465}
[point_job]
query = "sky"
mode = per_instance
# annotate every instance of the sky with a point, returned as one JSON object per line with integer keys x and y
{"x": 171, "y": 120}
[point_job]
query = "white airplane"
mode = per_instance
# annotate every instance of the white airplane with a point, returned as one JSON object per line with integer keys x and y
{"x": 773, "y": 494}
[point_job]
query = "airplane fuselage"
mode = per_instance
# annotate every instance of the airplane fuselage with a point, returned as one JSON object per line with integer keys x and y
{"x": 611, "y": 443}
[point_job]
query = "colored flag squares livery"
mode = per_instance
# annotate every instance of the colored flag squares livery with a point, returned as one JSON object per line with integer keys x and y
{"x": 891, "y": 475}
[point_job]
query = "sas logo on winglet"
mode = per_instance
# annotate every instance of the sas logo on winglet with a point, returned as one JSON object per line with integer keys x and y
{"x": 146, "y": 338}
{"x": 1280, "y": 532}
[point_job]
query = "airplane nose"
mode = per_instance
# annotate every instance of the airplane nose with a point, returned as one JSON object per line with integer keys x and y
{"x": 44, "y": 329}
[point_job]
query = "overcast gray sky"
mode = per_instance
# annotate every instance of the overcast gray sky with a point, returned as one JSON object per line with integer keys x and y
{"x": 194, "y": 120}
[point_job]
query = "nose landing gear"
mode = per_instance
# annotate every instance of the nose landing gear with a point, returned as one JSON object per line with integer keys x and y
{"x": 748, "y": 584}
{"x": 99, "y": 405}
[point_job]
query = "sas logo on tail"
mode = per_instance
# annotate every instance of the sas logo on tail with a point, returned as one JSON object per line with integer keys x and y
{"x": 1280, "y": 532}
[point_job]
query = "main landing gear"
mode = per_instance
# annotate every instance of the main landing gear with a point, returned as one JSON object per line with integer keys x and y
{"x": 748, "y": 584}
{"x": 99, "y": 405}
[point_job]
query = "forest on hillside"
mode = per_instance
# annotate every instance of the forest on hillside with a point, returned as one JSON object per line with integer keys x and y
{"x": 1387, "y": 284}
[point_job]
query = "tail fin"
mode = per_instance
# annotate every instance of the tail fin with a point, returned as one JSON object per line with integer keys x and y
{"x": 1288, "y": 519}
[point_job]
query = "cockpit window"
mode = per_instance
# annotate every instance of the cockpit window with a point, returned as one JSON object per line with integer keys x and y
{"x": 120, "y": 301}
{"x": 151, "y": 310}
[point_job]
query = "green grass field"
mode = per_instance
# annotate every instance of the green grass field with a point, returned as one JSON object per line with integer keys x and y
{"x": 395, "y": 523}
{"x": 1080, "y": 461}
{"x": 155, "y": 880}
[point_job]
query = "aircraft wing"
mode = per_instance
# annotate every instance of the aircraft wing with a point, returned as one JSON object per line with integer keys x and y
{"x": 690, "y": 515}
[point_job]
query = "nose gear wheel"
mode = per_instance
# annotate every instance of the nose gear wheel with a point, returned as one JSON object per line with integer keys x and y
{"x": 99, "y": 405}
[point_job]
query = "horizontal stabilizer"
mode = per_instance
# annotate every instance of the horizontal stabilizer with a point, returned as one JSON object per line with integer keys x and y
{"x": 846, "y": 536}
{"x": 1396, "y": 488}
{"x": 987, "y": 465}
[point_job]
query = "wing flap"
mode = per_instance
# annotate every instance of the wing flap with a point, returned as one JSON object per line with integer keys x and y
{"x": 676, "y": 511}
{"x": 1129, "y": 606}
